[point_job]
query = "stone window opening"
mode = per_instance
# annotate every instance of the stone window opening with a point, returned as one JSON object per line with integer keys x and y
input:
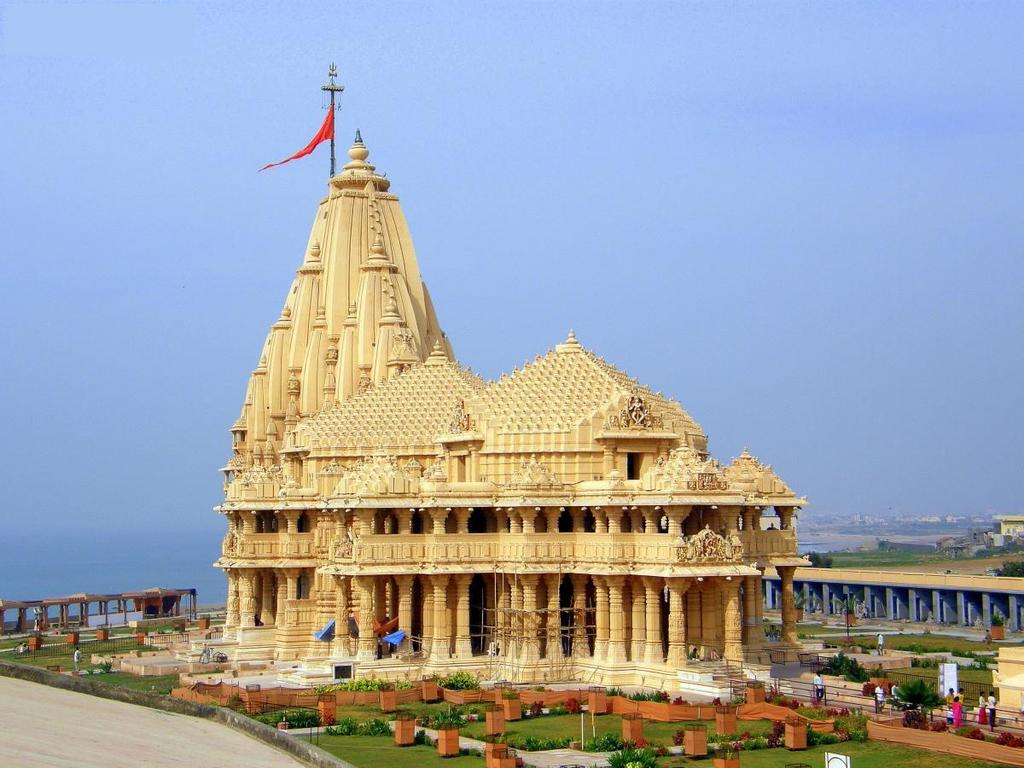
{"x": 565, "y": 521}
{"x": 302, "y": 524}
{"x": 633, "y": 461}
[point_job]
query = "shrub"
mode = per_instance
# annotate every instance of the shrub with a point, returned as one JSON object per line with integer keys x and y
{"x": 843, "y": 666}
{"x": 536, "y": 709}
{"x": 633, "y": 758}
{"x": 296, "y": 718}
{"x": 939, "y": 726}
{"x": 649, "y": 696}
{"x": 362, "y": 684}
{"x": 446, "y": 719}
{"x": 346, "y": 726}
{"x": 914, "y": 718}
{"x": 536, "y": 744}
{"x": 680, "y": 700}
{"x": 678, "y": 738}
{"x": 459, "y": 681}
{"x": 608, "y": 742}
{"x": 1006, "y": 739}
{"x": 814, "y": 738}
{"x": 375, "y": 726}
{"x": 572, "y": 706}
{"x": 421, "y": 737}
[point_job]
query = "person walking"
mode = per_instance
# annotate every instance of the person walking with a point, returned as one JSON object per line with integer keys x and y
{"x": 77, "y": 658}
{"x": 991, "y": 710}
{"x": 881, "y": 643}
{"x": 958, "y": 712}
{"x": 819, "y": 688}
{"x": 982, "y": 710}
{"x": 879, "y": 699}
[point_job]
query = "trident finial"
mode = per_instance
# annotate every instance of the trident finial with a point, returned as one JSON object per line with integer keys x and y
{"x": 332, "y": 88}
{"x": 332, "y": 71}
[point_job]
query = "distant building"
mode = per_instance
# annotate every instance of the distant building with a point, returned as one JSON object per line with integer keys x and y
{"x": 1011, "y": 525}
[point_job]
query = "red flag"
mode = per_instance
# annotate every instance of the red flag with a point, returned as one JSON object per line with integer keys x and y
{"x": 325, "y": 133}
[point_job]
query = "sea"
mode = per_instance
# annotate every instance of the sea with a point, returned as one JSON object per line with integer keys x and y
{"x": 57, "y": 563}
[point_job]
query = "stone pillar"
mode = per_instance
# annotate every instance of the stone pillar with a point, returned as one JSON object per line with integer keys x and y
{"x": 462, "y": 519}
{"x": 404, "y": 584}
{"x": 580, "y": 644}
{"x": 614, "y": 516}
{"x": 438, "y": 518}
{"x": 266, "y": 597}
{"x": 788, "y": 605}
{"x": 404, "y": 520}
{"x": 652, "y": 520}
{"x": 427, "y": 614}
{"x": 380, "y": 603}
{"x": 529, "y": 517}
{"x": 531, "y": 650}
{"x": 752, "y": 634}
{"x": 653, "y": 653}
{"x": 676, "y": 622}
{"x": 1014, "y": 610}
{"x": 675, "y": 517}
{"x": 694, "y": 625}
{"x": 554, "y": 623}
{"x": 440, "y": 649}
{"x": 961, "y": 609}
{"x": 733, "y": 621}
{"x": 601, "y": 618}
{"x": 231, "y": 619}
{"x": 616, "y": 653}
{"x": 340, "y": 645}
{"x": 637, "y": 650}
{"x": 463, "y": 643}
{"x": 247, "y": 599}
{"x": 366, "y": 647}
{"x": 600, "y": 520}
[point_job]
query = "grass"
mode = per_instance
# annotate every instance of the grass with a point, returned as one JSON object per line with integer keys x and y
{"x": 924, "y": 644}
{"x": 377, "y": 751}
{"x": 155, "y": 683}
{"x": 864, "y": 754}
{"x": 982, "y": 676}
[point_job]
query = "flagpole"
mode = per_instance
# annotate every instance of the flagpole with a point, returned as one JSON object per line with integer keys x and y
{"x": 332, "y": 88}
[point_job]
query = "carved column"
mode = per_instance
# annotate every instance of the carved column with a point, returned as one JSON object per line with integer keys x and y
{"x": 652, "y": 519}
{"x": 551, "y": 515}
{"x": 677, "y": 622}
{"x": 654, "y": 653}
{"x": 438, "y": 518}
{"x": 601, "y": 618}
{"x": 694, "y": 625}
{"x": 788, "y": 604}
{"x": 616, "y": 653}
{"x": 614, "y": 517}
{"x": 462, "y": 519}
{"x": 554, "y": 624}
{"x": 380, "y": 603}
{"x": 266, "y": 597}
{"x": 531, "y": 645}
{"x": 675, "y": 517}
{"x": 231, "y": 619}
{"x": 529, "y": 517}
{"x": 340, "y": 645}
{"x": 639, "y": 616}
{"x": 404, "y": 585}
{"x": 367, "y": 644}
{"x": 515, "y": 521}
{"x": 600, "y": 520}
{"x": 751, "y": 621}
{"x": 733, "y": 621}
{"x": 440, "y": 646}
{"x": 463, "y": 643}
{"x": 247, "y": 599}
{"x": 404, "y": 520}
{"x": 427, "y": 615}
{"x": 580, "y": 645}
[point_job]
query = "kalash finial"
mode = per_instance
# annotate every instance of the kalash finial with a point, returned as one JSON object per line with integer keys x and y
{"x": 358, "y": 152}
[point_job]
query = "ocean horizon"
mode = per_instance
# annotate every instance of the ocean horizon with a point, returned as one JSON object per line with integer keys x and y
{"x": 58, "y": 563}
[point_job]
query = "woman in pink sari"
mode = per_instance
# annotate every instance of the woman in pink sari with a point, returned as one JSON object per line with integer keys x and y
{"x": 958, "y": 712}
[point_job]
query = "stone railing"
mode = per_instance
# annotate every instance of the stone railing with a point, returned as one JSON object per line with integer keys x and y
{"x": 769, "y": 543}
{"x": 272, "y": 545}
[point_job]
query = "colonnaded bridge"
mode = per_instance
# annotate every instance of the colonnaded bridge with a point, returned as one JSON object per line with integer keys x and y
{"x": 938, "y": 598}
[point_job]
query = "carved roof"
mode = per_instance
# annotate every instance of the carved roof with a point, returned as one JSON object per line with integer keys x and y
{"x": 686, "y": 469}
{"x": 533, "y": 474}
{"x": 375, "y": 476}
{"x": 412, "y": 409}
{"x": 570, "y": 386}
{"x": 747, "y": 474}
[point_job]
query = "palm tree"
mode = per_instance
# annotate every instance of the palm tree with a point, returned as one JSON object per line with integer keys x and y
{"x": 915, "y": 700}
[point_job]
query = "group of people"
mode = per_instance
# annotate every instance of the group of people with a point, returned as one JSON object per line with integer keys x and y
{"x": 955, "y": 708}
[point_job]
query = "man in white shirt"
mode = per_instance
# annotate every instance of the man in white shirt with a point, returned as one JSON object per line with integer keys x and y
{"x": 992, "y": 710}
{"x": 77, "y": 658}
{"x": 881, "y": 643}
{"x": 879, "y": 699}
{"x": 819, "y": 687}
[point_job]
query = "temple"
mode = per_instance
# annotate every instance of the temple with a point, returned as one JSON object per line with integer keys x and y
{"x": 563, "y": 522}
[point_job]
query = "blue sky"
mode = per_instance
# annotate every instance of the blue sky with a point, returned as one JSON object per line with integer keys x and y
{"x": 802, "y": 220}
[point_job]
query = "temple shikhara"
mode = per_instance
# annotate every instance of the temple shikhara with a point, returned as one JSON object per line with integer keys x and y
{"x": 392, "y": 514}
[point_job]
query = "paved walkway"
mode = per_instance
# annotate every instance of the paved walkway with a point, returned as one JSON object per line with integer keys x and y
{"x": 52, "y": 728}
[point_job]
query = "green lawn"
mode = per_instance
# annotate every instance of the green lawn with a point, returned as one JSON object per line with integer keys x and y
{"x": 982, "y": 676}
{"x": 155, "y": 683}
{"x": 923, "y": 643}
{"x": 864, "y": 754}
{"x": 378, "y": 751}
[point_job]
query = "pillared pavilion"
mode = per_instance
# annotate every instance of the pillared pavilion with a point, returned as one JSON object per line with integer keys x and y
{"x": 561, "y": 523}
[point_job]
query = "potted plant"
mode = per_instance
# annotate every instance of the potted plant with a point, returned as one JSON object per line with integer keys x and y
{"x": 597, "y": 701}
{"x": 511, "y": 705}
{"x": 727, "y": 756}
{"x": 495, "y": 719}
{"x": 796, "y": 733}
{"x": 405, "y": 729}
{"x": 755, "y": 692}
{"x": 725, "y": 718}
{"x": 695, "y": 740}
{"x": 388, "y": 698}
{"x": 447, "y": 726}
{"x": 633, "y": 758}
{"x": 429, "y": 689}
{"x": 632, "y": 728}
{"x": 998, "y": 629}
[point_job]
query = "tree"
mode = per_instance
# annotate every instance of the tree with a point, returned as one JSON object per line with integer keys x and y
{"x": 916, "y": 699}
{"x": 1012, "y": 568}
{"x": 820, "y": 559}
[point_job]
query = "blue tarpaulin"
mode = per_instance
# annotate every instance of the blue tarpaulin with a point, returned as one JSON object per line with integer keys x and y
{"x": 327, "y": 632}
{"x": 395, "y": 638}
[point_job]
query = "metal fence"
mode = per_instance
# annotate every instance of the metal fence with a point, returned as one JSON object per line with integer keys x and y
{"x": 113, "y": 645}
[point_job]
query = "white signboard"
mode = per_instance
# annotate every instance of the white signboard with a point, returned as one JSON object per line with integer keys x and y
{"x": 947, "y": 678}
{"x": 832, "y": 760}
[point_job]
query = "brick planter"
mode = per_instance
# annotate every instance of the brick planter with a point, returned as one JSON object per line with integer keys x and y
{"x": 448, "y": 742}
{"x": 796, "y": 734}
{"x": 71, "y": 638}
{"x": 695, "y": 741}
{"x": 405, "y": 732}
{"x": 140, "y": 638}
{"x": 204, "y": 623}
{"x": 430, "y": 690}
{"x": 727, "y": 761}
{"x": 597, "y": 701}
{"x": 494, "y": 718}
{"x": 632, "y": 728}
{"x": 35, "y": 642}
{"x": 388, "y": 700}
{"x": 755, "y": 692}
{"x": 512, "y": 708}
{"x": 102, "y": 634}
{"x": 997, "y": 632}
{"x": 328, "y": 709}
{"x": 725, "y": 719}
{"x": 498, "y": 756}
